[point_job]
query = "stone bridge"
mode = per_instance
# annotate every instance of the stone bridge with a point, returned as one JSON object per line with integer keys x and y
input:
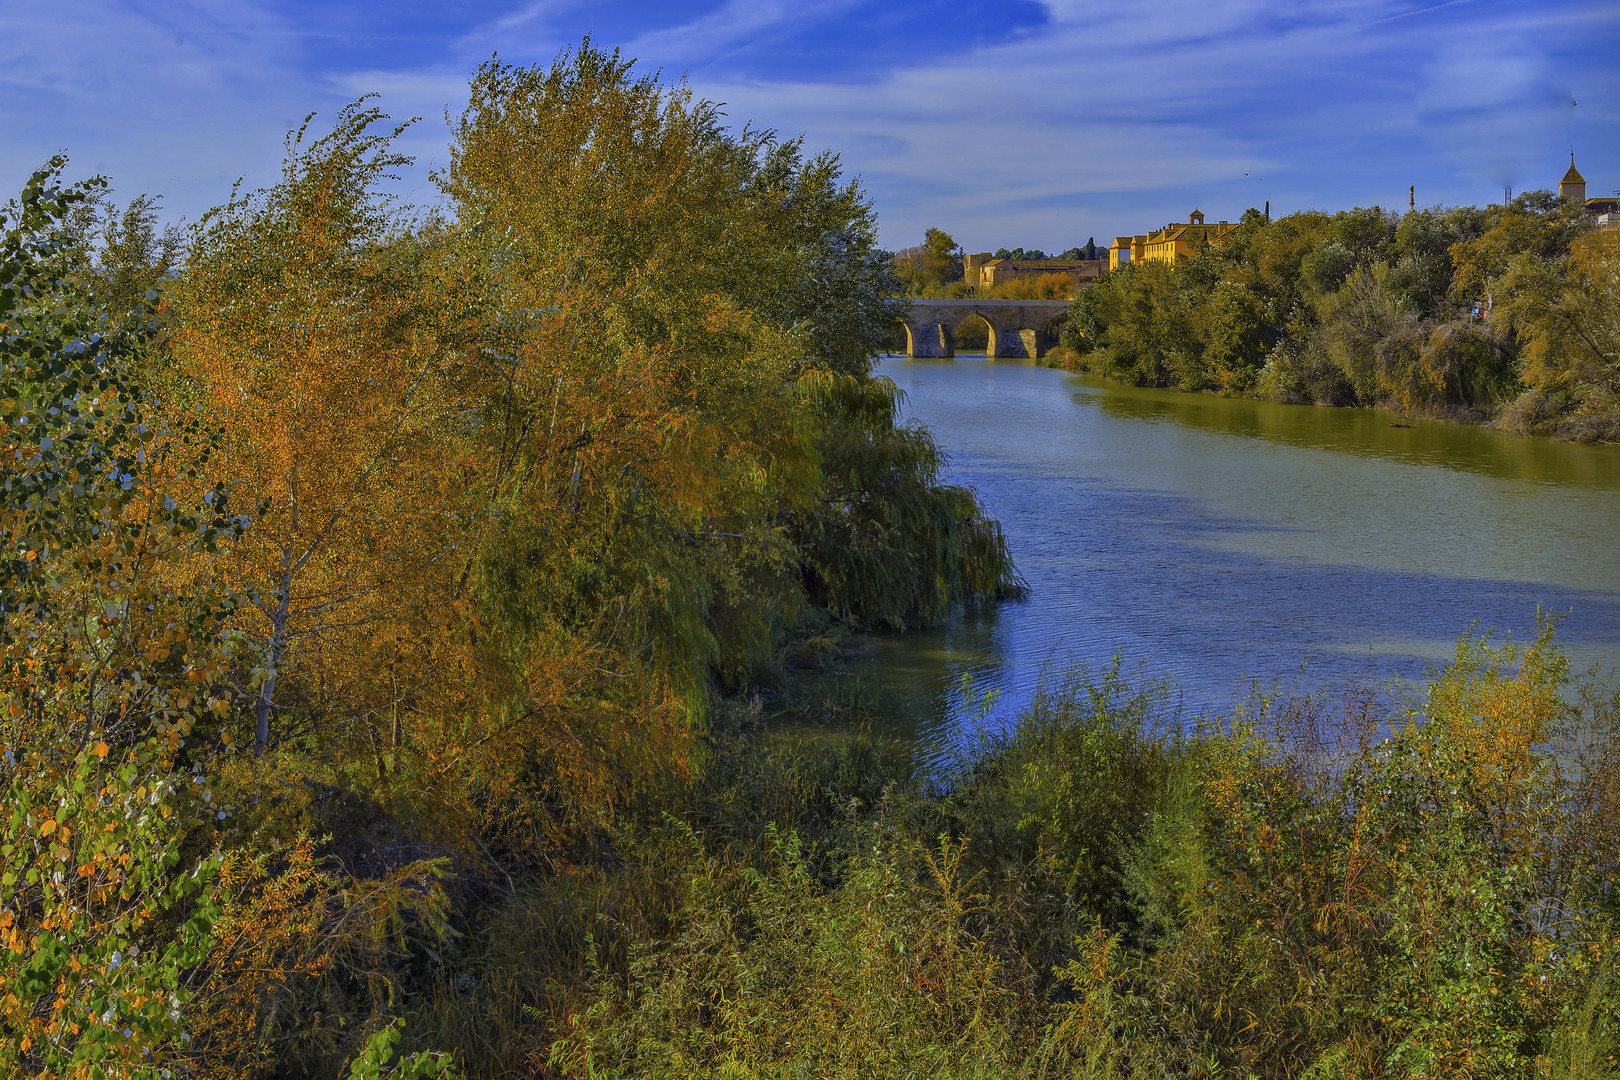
{"x": 1017, "y": 327}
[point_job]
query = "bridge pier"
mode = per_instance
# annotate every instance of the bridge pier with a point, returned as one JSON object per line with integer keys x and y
{"x": 930, "y": 340}
{"x": 1017, "y": 342}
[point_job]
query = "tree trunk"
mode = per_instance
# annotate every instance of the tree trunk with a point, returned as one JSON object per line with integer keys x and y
{"x": 278, "y": 641}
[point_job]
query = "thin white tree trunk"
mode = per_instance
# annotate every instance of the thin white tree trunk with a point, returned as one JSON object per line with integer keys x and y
{"x": 278, "y": 641}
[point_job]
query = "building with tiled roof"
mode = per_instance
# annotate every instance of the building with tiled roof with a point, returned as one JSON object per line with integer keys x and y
{"x": 1605, "y": 210}
{"x": 984, "y": 269}
{"x": 1174, "y": 242}
{"x": 1573, "y": 185}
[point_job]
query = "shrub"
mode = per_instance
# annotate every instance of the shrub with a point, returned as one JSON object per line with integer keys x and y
{"x": 769, "y": 975}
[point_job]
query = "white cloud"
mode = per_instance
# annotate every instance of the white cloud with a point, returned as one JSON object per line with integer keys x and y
{"x": 734, "y": 23}
{"x": 527, "y": 31}
{"x": 1110, "y": 118}
{"x": 1113, "y": 116}
{"x": 177, "y": 100}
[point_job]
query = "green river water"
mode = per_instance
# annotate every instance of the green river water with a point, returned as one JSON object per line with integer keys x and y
{"x": 1221, "y": 543}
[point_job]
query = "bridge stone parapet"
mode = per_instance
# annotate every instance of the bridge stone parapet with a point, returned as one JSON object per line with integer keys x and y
{"x": 1017, "y": 327}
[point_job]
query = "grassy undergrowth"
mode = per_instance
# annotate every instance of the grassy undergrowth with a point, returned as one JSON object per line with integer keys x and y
{"x": 1346, "y": 887}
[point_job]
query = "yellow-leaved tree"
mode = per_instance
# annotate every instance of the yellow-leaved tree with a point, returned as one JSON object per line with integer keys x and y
{"x": 1567, "y": 312}
{"x": 319, "y": 332}
{"x": 642, "y": 427}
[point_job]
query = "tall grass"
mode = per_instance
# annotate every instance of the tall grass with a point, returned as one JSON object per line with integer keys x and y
{"x": 1354, "y": 887}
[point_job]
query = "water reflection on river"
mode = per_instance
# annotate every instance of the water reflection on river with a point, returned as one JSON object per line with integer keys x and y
{"x": 1219, "y": 542}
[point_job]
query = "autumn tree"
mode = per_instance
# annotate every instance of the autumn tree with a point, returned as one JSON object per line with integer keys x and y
{"x": 1533, "y": 224}
{"x": 1564, "y": 313}
{"x": 666, "y": 285}
{"x": 314, "y": 332}
{"x": 936, "y": 261}
{"x": 642, "y": 425}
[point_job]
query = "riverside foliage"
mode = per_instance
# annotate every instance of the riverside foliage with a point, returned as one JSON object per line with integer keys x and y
{"x": 1497, "y": 312}
{"x": 362, "y": 568}
{"x": 386, "y": 602}
{"x": 1353, "y": 888}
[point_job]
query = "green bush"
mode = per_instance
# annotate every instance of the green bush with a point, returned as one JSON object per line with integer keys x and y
{"x": 1406, "y": 888}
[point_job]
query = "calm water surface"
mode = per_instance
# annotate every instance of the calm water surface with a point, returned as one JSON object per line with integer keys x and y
{"x": 1220, "y": 542}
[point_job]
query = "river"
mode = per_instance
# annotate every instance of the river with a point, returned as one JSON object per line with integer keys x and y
{"x": 1223, "y": 543}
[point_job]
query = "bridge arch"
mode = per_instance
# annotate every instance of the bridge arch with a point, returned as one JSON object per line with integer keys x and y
{"x": 1017, "y": 328}
{"x": 973, "y": 333}
{"x": 929, "y": 340}
{"x": 1053, "y": 329}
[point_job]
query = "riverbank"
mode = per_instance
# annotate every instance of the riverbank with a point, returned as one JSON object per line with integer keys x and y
{"x": 1503, "y": 312}
{"x": 1531, "y": 414}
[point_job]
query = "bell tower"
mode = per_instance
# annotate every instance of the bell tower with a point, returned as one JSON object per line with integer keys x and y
{"x": 1573, "y": 185}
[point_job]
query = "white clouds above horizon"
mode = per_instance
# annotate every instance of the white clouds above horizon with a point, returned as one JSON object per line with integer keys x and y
{"x": 1107, "y": 118}
{"x": 1330, "y": 104}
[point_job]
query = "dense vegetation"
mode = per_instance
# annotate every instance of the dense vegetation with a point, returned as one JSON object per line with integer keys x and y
{"x": 388, "y": 600}
{"x": 1502, "y": 313}
{"x": 361, "y": 569}
{"x": 932, "y": 268}
{"x": 1308, "y": 888}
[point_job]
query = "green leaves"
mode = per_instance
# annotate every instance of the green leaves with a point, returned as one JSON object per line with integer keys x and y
{"x": 373, "y": 1062}
{"x": 886, "y": 543}
{"x": 89, "y": 952}
{"x": 75, "y": 429}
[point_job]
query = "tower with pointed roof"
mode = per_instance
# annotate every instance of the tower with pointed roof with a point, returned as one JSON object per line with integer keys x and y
{"x": 1573, "y": 185}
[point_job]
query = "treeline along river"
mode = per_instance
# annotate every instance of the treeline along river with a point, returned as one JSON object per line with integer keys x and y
{"x": 1219, "y": 542}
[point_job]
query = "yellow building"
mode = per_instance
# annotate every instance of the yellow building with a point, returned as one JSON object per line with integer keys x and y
{"x": 1174, "y": 242}
{"x": 1126, "y": 250}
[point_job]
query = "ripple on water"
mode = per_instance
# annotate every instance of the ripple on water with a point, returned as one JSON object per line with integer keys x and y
{"x": 1219, "y": 542}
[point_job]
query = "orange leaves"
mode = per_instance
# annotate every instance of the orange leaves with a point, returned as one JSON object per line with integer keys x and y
{"x": 318, "y": 329}
{"x": 289, "y": 921}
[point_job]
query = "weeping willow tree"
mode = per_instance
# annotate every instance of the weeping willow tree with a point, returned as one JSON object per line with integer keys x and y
{"x": 887, "y": 543}
{"x": 690, "y": 312}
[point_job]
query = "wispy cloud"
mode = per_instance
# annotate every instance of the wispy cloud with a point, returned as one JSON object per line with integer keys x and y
{"x": 177, "y": 100}
{"x": 735, "y": 23}
{"x": 1003, "y": 121}
{"x": 1109, "y": 121}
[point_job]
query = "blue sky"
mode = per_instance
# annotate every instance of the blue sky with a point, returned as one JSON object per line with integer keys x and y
{"x": 1012, "y": 123}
